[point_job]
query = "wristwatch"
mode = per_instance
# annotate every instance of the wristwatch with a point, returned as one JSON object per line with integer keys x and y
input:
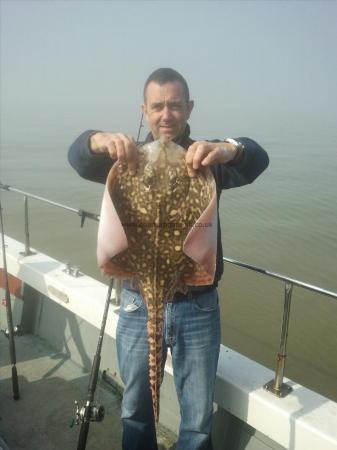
{"x": 239, "y": 147}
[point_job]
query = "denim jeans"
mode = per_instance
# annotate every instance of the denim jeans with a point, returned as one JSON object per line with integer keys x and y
{"x": 192, "y": 333}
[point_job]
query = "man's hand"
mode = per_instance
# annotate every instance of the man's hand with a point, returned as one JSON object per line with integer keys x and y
{"x": 118, "y": 146}
{"x": 203, "y": 153}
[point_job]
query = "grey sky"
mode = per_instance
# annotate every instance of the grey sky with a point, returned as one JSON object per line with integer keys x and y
{"x": 268, "y": 66}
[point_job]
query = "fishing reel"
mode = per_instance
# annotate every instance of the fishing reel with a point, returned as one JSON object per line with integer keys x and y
{"x": 16, "y": 331}
{"x": 96, "y": 413}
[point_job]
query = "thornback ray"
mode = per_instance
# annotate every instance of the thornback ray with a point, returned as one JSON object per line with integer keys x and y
{"x": 158, "y": 228}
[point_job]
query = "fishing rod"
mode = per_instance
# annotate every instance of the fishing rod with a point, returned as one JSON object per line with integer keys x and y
{"x": 91, "y": 412}
{"x": 140, "y": 127}
{"x": 11, "y": 331}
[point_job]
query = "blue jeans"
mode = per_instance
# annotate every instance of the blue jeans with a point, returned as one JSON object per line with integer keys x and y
{"x": 192, "y": 332}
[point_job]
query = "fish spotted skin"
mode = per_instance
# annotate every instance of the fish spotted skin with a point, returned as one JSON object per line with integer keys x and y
{"x": 157, "y": 208}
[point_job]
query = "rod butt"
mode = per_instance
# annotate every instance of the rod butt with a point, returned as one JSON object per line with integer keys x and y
{"x": 15, "y": 383}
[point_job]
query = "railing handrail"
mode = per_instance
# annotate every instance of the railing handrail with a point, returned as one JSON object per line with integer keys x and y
{"x": 261, "y": 270}
{"x": 81, "y": 212}
{"x": 285, "y": 278}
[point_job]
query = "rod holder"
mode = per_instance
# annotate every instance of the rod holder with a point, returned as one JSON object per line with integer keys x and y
{"x": 117, "y": 284}
{"x": 276, "y": 386}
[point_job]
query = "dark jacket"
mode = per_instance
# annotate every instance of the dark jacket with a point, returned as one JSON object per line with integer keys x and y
{"x": 95, "y": 167}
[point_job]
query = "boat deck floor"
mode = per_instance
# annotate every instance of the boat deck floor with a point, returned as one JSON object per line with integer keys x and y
{"x": 49, "y": 383}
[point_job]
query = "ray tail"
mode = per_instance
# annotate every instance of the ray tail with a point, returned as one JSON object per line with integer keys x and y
{"x": 155, "y": 337}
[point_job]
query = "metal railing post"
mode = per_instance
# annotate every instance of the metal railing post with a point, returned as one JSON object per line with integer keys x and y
{"x": 276, "y": 386}
{"x": 27, "y": 251}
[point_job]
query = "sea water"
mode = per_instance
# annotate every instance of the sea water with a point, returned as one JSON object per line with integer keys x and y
{"x": 286, "y": 221}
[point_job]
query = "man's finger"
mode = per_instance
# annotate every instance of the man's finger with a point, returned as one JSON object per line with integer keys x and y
{"x": 120, "y": 150}
{"x": 131, "y": 154}
{"x": 189, "y": 159}
{"x": 111, "y": 149}
{"x": 199, "y": 154}
{"x": 211, "y": 158}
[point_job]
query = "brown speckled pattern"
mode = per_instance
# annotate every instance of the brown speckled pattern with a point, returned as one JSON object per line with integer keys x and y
{"x": 157, "y": 208}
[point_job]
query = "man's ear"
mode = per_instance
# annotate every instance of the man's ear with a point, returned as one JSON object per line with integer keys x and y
{"x": 190, "y": 107}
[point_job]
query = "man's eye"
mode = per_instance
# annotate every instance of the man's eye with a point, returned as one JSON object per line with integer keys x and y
{"x": 156, "y": 107}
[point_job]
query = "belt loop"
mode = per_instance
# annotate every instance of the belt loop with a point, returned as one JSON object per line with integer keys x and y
{"x": 189, "y": 294}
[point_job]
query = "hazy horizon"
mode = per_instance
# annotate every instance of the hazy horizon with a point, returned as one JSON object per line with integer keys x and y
{"x": 263, "y": 66}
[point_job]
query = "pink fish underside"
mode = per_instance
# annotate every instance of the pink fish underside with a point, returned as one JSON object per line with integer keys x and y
{"x": 158, "y": 228}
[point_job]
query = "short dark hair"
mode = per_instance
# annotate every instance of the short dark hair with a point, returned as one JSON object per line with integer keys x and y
{"x": 166, "y": 75}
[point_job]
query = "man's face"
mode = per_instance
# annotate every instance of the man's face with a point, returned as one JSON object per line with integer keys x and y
{"x": 166, "y": 109}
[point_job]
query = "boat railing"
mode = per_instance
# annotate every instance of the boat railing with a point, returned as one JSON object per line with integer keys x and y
{"x": 276, "y": 385}
{"x": 26, "y": 195}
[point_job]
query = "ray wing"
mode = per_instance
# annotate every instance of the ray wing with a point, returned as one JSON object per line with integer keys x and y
{"x": 159, "y": 229}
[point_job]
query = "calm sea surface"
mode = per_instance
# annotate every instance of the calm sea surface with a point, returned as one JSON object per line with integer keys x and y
{"x": 285, "y": 221}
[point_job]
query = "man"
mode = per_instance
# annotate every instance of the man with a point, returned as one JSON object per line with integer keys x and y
{"x": 191, "y": 321}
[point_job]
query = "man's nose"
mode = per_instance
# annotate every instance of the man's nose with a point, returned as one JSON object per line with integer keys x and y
{"x": 166, "y": 113}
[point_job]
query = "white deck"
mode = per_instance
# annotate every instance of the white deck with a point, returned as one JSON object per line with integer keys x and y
{"x": 304, "y": 420}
